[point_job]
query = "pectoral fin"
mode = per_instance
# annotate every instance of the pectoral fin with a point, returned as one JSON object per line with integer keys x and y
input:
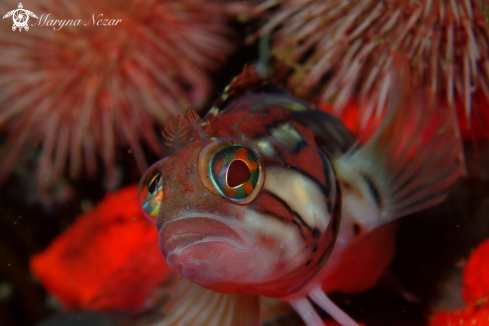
{"x": 412, "y": 158}
{"x": 192, "y": 305}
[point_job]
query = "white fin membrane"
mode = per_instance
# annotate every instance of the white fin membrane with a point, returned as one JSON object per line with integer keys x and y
{"x": 192, "y": 305}
{"x": 305, "y": 309}
{"x": 309, "y": 315}
{"x": 317, "y": 295}
{"x": 414, "y": 155}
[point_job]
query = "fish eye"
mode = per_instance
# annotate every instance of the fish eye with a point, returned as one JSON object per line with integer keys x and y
{"x": 233, "y": 170}
{"x": 153, "y": 183}
{"x": 150, "y": 191}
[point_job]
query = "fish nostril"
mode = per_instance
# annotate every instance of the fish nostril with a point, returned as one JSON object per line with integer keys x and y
{"x": 238, "y": 173}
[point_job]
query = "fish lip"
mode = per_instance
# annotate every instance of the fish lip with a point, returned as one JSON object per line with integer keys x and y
{"x": 180, "y": 234}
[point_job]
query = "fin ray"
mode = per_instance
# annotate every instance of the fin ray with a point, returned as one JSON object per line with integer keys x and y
{"x": 192, "y": 305}
{"x": 415, "y": 153}
{"x": 304, "y": 308}
{"x": 319, "y": 297}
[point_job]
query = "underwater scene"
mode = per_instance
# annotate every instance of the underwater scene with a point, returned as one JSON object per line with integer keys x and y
{"x": 244, "y": 163}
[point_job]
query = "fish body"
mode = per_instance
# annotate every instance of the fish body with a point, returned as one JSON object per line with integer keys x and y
{"x": 269, "y": 196}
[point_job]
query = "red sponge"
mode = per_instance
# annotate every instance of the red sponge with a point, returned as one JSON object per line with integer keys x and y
{"x": 475, "y": 292}
{"x": 108, "y": 259}
{"x": 476, "y": 274}
{"x": 474, "y": 314}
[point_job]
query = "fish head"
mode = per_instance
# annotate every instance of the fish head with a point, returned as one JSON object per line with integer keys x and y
{"x": 229, "y": 217}
{"x": 199, "y": 201}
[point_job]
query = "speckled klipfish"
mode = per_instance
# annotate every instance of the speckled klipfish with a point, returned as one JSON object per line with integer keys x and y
{"x": 270, "y": 196}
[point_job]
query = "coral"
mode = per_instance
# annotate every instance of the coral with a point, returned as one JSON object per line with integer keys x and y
{"x": 72, "y": 92}
{"x": 99, "y": 262}
{"x": 340, "y": 50}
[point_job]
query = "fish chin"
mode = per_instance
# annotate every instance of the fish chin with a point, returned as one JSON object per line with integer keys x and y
{"x": 205, "y": 261}
{"x": 198, "y": 249}
{"x": 201, "y": 248}
{"x": 224, "y": 255}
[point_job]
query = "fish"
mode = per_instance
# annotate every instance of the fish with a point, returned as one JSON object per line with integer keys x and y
{"x": 269, "y": 196}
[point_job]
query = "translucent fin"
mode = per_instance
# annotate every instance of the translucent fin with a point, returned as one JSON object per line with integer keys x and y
{"x": 192, "y": 305}
{"x": 317, "y": 295}
{"x": 414, "y": 155}
{"x": 272, "y": 309}
{"x": 249, "y": 81}
{"x": 309, "y": 315}
{"x": 305, "y": 309}
{"x": 263, "y": 64}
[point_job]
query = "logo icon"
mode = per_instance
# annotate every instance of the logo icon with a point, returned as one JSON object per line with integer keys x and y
{"x": 20, "y": 17}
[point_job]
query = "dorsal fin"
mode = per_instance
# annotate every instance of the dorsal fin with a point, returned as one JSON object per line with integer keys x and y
{"x": 249, "y": 81}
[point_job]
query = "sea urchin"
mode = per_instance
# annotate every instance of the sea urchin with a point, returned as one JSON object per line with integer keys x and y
{"x": 76, "y": 91}
{"x": 340, "y": 49}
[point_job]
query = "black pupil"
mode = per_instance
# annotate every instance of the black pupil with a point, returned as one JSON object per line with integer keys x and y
{"x": 238, "y": 173}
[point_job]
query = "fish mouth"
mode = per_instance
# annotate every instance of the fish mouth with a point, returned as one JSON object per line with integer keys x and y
{"x": 203, "y": 230}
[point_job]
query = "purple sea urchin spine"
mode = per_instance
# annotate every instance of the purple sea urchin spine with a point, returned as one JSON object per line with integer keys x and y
{"x": 340, "y": 49}
{"x": 80, "y": 90}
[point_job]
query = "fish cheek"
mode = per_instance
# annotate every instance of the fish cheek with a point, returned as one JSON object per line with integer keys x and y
{"x": 279, "y": 247}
